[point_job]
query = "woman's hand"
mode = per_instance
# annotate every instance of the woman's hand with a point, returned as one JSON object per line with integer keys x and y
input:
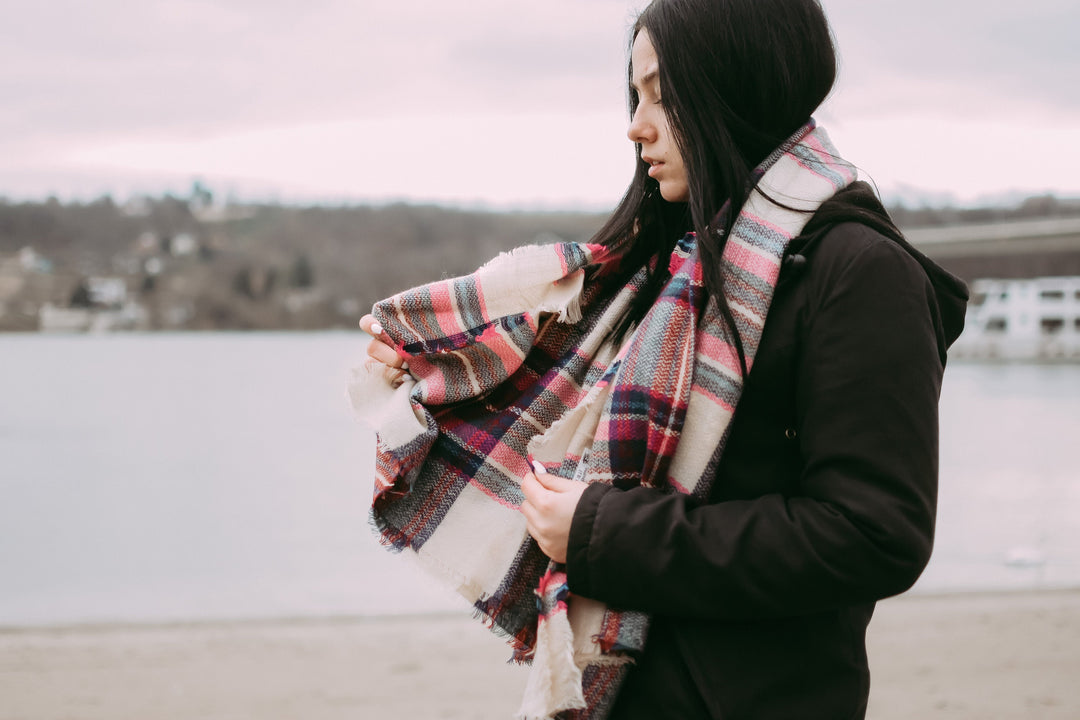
{"x": 380, "y": 351}
{"x": 549, "y": 507}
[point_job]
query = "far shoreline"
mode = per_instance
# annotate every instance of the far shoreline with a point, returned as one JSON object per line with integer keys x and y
{"x": 255, "y": 621}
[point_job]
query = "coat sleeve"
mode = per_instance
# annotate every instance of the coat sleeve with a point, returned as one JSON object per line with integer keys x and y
{"x": 860, "y": 528}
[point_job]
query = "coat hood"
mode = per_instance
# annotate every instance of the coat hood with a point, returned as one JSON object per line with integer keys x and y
{"x": 859, "y": 203}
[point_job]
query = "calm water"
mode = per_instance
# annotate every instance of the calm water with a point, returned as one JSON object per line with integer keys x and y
{"x": 169, "y": 477}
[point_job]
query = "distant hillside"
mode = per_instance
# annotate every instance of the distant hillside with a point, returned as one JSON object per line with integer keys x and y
{"x": 266, "y": 266}
{"x": 191, "y": 264}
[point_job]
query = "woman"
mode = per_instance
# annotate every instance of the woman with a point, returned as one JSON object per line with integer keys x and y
{"x": 817, "y": 497}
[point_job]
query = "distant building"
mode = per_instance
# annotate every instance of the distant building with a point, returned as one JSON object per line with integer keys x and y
{"x": 147, "y": 243}
{"x": 183, "y": 244}
{"x": 107, "y": 291}
{"x": 128, "y": 316}
{"x": 32, "y": 261}
{"x": 52, "y": 318}
{"x": 1036, "y": 319}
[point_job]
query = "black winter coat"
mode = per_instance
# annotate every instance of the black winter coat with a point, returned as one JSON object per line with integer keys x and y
{"x": 824, "y": 499}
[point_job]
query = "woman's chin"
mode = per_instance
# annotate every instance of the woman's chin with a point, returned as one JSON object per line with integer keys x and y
{"x": 674, "y": 195}
{"x": 673, "y": 190}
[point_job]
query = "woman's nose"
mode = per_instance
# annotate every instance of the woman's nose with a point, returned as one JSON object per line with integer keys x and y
{"x": 640, "y": 130}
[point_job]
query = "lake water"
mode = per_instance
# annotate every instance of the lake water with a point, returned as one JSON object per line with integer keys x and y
{"x": 170, "y": 477}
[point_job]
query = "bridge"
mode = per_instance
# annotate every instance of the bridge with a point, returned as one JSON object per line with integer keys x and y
{"x": 1045, "y": 247}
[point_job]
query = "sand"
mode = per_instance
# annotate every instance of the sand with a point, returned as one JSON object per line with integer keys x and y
{"x": 982, "y": 656}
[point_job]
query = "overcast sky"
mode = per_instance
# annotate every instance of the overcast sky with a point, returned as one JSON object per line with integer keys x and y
{"x": 492, "y": 102}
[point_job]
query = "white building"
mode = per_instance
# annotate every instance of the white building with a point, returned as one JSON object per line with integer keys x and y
{"x": 183, "y": 244}
{"x": 1036, "y": 319}
{"x": 129, "y": 316}
{"x": 107, "y": 291}
{"x": 32, "y": 261}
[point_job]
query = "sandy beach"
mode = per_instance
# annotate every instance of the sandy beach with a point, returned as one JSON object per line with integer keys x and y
{"x": 971, "y": 656}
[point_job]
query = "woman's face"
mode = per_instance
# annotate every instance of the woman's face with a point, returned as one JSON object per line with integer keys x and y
{"x": 649, "y": 125}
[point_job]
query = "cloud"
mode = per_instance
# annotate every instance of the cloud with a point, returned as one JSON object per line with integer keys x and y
{"x": 967, "y": 98}
{"x": 195, "y": 68}
{"x": 159, "y": 75}
{"x": 261, "y": 91}
{"x": 462, "y": 158}
{"x": 112, "y": 67}
{"x": 927, "y": 53}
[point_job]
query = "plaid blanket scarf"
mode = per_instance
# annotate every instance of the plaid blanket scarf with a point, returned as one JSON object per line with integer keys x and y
{"x": 514, "y": 363}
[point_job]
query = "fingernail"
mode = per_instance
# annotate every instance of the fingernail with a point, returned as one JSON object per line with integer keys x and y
{"x": 376, "y": 329}
{"x": 540, "y": 469}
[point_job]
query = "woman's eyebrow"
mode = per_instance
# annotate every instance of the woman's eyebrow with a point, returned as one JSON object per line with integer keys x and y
{"x": 647, "y": 80}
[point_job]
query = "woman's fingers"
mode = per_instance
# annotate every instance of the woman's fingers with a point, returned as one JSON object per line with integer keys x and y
{"x": 535, "y": 499}
{"x": 534, "y": 517}
{"x": 368, "y": 325}
{"x": 384, "y": 353}
{"x": 555, "y": 483}
{"x": 542, "y": 489}
{"x": 548, "y": 508}
{"x": 378, "y": 349}
{"x": 531, "y": 488}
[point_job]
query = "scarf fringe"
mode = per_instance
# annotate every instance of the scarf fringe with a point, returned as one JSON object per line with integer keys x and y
{"x": 554, "y": 683}
{"x": 522, "y": 654}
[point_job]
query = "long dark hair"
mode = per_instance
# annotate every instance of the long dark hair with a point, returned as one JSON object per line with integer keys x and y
{"x": 737, "y": 78}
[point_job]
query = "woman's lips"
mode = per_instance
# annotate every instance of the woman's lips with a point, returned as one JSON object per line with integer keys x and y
{"x": 654, "y": 168}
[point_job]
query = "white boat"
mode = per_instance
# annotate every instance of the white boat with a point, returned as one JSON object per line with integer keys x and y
{"x": 1030, "y": 319}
